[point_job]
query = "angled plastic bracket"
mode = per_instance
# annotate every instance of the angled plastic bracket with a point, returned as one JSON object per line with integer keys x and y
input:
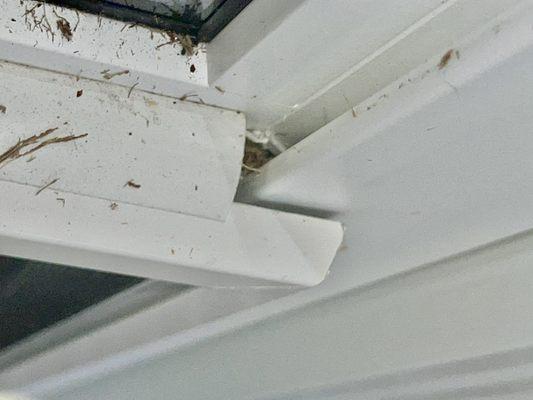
{"x": 99, "y": 176}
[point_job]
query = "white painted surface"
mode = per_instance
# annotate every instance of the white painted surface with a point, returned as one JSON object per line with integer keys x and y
{"x": 377, "y": 67}
{"x": 271, "y": 62}
{"x": 438, "y": 166}
{"x": 460, "y": 329}
{"x": 435, "y": 164}
{"x": 253, "y": 246}
{"x": 299, "y": 64}
{"x": 186, "y": 158}
{"x": 180, "y": 224}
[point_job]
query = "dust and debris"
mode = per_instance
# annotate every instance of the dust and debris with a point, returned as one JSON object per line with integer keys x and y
{"x": 354, "y": 114}
{"x": 185, "y": 41}
{"x": 172, "y": 38}
{"x": 16, "y": 151}
{"x": 220, "y": 89}
{"x": 192, "y": 68}
{"x": 61, "y": 200}
{"x": 445, "y": 59}
{"x": 255, "y": 156}
{"x": 109, "y": 75}
{"x": 187, "y": 46}
{"x": 64, "y": 26}
{"x": 187, "y": 96}
{"x": 31, "y": 159}
{"x": 150, "y": 102}
{"x": 46, "y": 186}
{"x": 122, "y": 42}
{"x": 113, "y": 206}
{"x": 247, "y": 169}
{"x": 173, "y": 252}
{"x": 79, "y": 93}
{"x": 52, "y": 141}
{"x": 3, "y": 109}
{"x": 131, "y": 89}
{"x": 131, "y": 183}
{"x": 193, "y": 98}
{"x": 41, "y": 22}
{"x": 77, "y": 21}
{"x": 129, "y": 26}
{"x": 146, "y": 119}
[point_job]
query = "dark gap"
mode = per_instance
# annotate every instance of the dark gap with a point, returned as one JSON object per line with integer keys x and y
{"x": 36, "y": 295}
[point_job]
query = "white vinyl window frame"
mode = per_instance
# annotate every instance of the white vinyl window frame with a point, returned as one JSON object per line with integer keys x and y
{"x": 262, "y": 116}
{"x": 146, "y": 181}
{"x": 31, "y": 63}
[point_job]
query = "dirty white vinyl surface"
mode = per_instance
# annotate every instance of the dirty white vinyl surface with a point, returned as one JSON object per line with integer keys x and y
{"x": 105, "y": 177}
{"x": 118, "y": 144}
{"x": 253, "y": 247}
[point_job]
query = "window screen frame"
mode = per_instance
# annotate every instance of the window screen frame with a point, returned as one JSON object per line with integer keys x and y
{"x": 203, "y": 31}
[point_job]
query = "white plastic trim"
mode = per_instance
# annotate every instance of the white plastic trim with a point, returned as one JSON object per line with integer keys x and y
{"x": 457, "y": 328}
{"x": 139, "y": 148}
{"x": 145, "y": 188}
{"x": 254, "y": 246}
